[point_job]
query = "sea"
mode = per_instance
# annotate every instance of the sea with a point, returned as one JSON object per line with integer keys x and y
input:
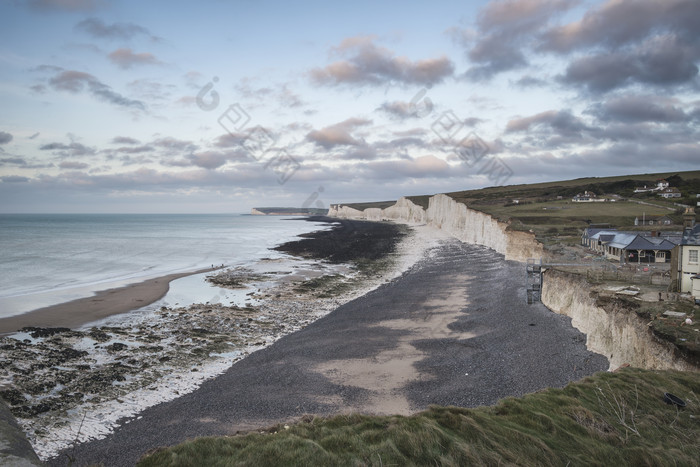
{"x": 47, "y": 259}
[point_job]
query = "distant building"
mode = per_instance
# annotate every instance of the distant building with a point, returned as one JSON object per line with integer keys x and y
{"x": 586, "y": 197}
{"x": 670, "y": 192}
{"x": 653, "y": 220}
{"x": 660, "y": 185}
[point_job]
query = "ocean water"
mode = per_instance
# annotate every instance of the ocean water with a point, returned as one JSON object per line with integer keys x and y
{"x": 47, "y": 259}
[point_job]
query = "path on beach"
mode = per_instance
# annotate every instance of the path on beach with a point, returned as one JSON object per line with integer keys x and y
{"x": 453, "y": 330}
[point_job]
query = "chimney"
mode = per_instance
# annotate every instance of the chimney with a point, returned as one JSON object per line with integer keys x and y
{"x": 689, "y": 218}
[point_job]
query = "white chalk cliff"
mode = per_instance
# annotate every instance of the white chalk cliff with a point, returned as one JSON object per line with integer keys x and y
{"x": 461, "y": 222}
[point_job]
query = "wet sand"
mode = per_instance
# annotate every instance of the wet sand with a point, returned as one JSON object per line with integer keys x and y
{"x": 103, "y": 304}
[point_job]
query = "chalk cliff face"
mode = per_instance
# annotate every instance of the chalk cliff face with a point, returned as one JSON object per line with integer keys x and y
{"x": 458, "y": 220}
{"x": 611, "y": 329}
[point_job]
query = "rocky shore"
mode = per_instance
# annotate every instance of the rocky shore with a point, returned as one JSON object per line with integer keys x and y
{"x": 66, "y": 386}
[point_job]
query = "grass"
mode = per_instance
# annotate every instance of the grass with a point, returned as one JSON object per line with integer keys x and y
{"x": 607, "y": 419}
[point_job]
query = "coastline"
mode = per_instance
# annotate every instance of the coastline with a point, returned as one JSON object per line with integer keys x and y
{"x": 130, "y": 361}
{"x": 101, "y": 305}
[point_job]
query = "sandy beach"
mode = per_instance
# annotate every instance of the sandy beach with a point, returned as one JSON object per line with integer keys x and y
{"x": 101, "y": 305}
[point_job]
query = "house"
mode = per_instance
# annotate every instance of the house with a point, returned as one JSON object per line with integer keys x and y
{"x": 660, "y": 185}
{"x": 670, "y": 192}
{"x": 653, "y": 220}
{"x": 586, "y": 197}
{"x": 686, "y": 259}
{"x": 631, "y": 247}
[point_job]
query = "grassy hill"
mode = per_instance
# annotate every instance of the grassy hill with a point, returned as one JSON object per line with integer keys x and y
{"x": 607, "y": 419}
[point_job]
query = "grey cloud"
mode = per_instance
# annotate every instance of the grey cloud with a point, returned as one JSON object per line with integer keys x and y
{"x": 363, "y": 152}
{"x": 124, "y": 140}
{"x": 134, "y": 149}
{"x": 659, "y": 61}
{"x": 14, "y": 179}
{"x": 5, "y": 137}
{"x": 563, "y": 122}
{"x": 528, "y": 81}
{"x": 19, "y": 161}
{"x": 77, "y": 81}
{"x": 640, "y": 108}
{"x": 97, "y": 28}
{"x": 73, "y": 165}
{"x": 67, "y": 150}
{"x": 620, "y": 22}
{"x": 504, "y": 29}
{"x": 630, "y": 42}
{"x": 338, "y": 134}
{"x": 126, "y": 58}
{"x": 368, "y": 64}
{"x": 399, "y": 110}
{"x": 229, "y": 140}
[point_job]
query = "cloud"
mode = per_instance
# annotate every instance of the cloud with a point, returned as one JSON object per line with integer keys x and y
{"x": 562, "y": 122}
{"x": 369, "y": 64}
{"x": 400, "y": 110}
{"x": 14, "y": 179}
{"x": 135, "y": 149}
{"x": 124, "y": 140}
{"x": 5, "y": 137}
{"x": 68, "y": 150}
{"x": 126, "y": 58}
{"x": 338, "y": 134}
{"x": 64, "y": 5}
{"x": 504, "y": 29}
{"x": 97, "y": 28}
{"x": 528, "y": 81}
{"x": 616, "y": 23}
{"x": 73, "y": 165}
{"x": 640, "y": 108}
{"x": 661, "y": 60}
{"x": 78, "y": 81}
{"x": 630, "y": 42}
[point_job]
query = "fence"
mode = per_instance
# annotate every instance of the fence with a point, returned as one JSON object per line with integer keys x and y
{"x": 655, "y": 278}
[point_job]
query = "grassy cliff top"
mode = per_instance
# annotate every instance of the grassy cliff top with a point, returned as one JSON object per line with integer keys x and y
{"x": 607, "y": 419}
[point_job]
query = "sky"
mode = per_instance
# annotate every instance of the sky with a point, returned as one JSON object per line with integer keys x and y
{"x": 220, "y": 106}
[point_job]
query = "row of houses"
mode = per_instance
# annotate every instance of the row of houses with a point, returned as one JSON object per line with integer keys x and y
{"x": 661, "y": 188}
{"x": 680, "y": 249}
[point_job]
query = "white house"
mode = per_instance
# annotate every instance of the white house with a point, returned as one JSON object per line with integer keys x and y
{"x": 689, "y": 257}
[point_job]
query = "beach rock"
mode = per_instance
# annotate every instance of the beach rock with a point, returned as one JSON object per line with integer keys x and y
{"x": 116, "y": 347}
{"x": 43, "y": 332}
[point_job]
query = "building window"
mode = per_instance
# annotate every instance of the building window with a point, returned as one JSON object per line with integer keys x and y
{"x": 693, "y": 256}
